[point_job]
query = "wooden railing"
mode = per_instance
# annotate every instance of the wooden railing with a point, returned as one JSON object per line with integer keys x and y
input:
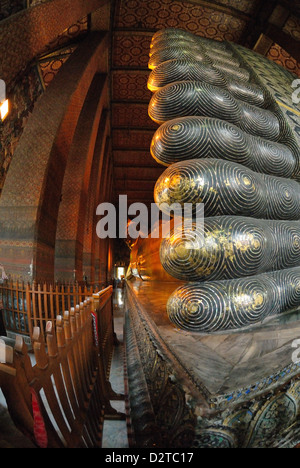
{"x": 26, "y": 306}
{"x": 107, "y": 339}
{"x": 62, "y": 399}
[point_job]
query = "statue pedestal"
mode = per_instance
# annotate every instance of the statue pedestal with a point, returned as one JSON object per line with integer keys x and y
{"x": 228, "y": 389}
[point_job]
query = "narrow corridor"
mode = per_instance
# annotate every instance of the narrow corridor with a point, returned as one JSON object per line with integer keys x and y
{"x": 115, "y": 432}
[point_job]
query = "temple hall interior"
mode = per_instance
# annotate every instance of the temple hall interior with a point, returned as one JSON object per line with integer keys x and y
{"x": 150, "y": 224}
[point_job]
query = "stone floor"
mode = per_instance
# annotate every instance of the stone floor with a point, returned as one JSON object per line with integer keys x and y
{"x": 114, "y": 432}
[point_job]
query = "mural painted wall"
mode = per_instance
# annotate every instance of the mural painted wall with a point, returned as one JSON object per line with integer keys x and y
{"x": 30, "y": 85}
{"x": 26, "y": 91}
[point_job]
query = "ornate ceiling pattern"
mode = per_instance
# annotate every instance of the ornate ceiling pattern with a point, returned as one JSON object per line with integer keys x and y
{"x": 59, "y": 50}
{"x": 191, "y": 16}
{"x": 283, "y": 58}
{"x": 51, "y": 64}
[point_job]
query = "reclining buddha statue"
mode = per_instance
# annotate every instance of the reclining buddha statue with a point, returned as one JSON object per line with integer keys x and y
{"x": 228, "y": 137}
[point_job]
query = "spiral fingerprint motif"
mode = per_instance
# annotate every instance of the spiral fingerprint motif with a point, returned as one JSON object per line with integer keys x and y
{"x": 178, "y": 45}
{"x": 200, "y": 53}
{"x": 230, "y": 247}
{"x": 248, "y": 92}
{"x": 214, "y": 53}
{"x": 218, "y": 61}
{"x": 226, "y": 188}
{"x": 196, "y": 98}
{"x": 189, "y": 70}
{"x": 184, "y": 70}
{"x": 284, "y": 195}
{"x": 202, "y": 137}
{"x": 232, "y": 72}
{"x": 178, "y": 53}
{"x": 174, "y": 34}
{"x": 234, "y": 304}
{"x": 226, "y": 150}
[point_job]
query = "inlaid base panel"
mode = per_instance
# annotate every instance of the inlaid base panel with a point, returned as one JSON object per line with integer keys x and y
{"x": 230, "y": 389}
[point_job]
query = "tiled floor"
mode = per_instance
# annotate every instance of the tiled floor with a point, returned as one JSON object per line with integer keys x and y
{"x": 115, "y": 432}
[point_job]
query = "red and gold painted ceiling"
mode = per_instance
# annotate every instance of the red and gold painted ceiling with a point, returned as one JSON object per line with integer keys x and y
{"x": 133, "y": 23}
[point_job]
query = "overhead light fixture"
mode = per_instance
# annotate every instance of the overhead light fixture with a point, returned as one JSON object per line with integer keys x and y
{"x": 4, "y": 109}
{"x": 4, "y": 104}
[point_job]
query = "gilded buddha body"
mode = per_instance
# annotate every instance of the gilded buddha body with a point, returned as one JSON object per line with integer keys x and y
{"x": 227, "y": 143}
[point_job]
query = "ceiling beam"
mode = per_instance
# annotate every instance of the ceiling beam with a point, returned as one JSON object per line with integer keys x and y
{"x": 133, "y": 173}
{"x": 275, "y": 34}
{"x": 131, "y": 185}
{"x": 134, "y": 158}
